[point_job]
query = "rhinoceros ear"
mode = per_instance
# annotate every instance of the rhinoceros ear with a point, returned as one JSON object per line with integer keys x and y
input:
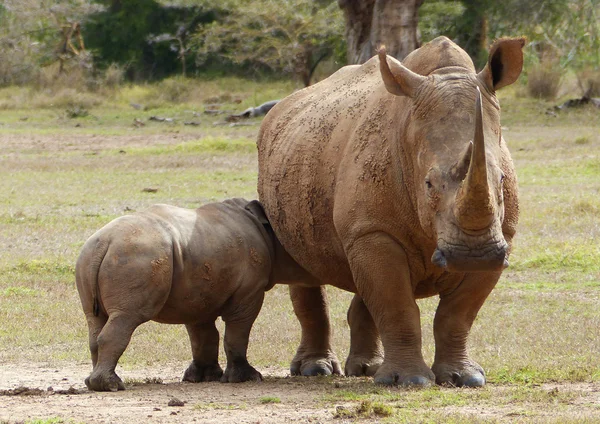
{"x": 504, "y": 64}
{"x": 398, "y": 79}
{"x": 257, "y": 210}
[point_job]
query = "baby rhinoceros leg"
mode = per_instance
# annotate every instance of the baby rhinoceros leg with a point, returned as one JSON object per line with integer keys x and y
{"x": 204, "y": 338}
{"x": 239, "y": 317}
{"x": 110, "y": 344}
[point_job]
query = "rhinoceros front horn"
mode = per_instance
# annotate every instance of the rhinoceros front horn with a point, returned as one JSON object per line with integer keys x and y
{"x": 474, "y": 208}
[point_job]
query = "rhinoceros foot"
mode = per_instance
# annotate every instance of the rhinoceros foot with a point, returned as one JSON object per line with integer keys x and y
{"x": 106, "y": 381}
{"x": 390, "y": 375}
{"x": 315, "y": 365}
{"x": 468, "y": 374}
{"x": 197, "y": 373}
{"x": 358, "y": 366}
{"x": 240, "y": 372}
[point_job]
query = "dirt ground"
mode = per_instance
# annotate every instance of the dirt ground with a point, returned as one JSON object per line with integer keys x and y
{"x": 34, "y": 391}
{"x": 30, "y": 391}
{"x": 39, "y": 391}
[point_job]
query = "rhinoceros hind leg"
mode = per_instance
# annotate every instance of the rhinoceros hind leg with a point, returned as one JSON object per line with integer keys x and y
{"x": 95, "y": 325}
{"x": 387, "y": 376}
{"x": 197, "y": 373}
{"x": 366, "y": 352}
{"x": 111, "y": 343}
{"x": 204, "y": 338}
{"x": 310, "y": 367}
{"x": 240, "y": 371}
{"x": 106, "y": 381}
{"x": 314, "y": 355}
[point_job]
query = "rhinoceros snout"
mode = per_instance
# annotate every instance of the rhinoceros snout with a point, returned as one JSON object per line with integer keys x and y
{"x": 492, "y": 257}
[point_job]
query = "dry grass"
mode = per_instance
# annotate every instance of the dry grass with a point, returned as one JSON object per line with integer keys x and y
{"x": 589, "y": 82}
{"x": 543, "y": 80}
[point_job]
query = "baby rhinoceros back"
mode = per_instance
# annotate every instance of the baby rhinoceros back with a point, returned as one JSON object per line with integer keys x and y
{"x": 177, "y": 266}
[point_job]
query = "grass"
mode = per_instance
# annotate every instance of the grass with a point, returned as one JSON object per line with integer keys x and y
{"x": 206, "y": 406}
{"x": 60, "y": 182}
{"x": 269, "y": 399}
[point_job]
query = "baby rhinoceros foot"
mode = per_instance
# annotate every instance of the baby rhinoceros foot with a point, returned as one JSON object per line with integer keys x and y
{"x": 468, "y": 374}
{"x": 197, "y": 373}
{"x": 240, "y": 372}
{"x": 107, "y": 381}
{"x": 389, "y": 375}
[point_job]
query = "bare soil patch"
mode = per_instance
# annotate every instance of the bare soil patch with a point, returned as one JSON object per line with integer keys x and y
{"x": 37, "y": 391}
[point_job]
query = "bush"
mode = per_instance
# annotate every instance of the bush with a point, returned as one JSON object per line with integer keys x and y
{"x": 543, "y": 80}
{"x": 114, "y": 75}
{"x": 589, "y": 82}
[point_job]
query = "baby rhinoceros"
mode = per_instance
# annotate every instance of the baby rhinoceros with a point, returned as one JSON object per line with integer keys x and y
{"x": 177, "y": 266}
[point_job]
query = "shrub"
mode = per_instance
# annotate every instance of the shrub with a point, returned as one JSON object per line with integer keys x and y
{"x": 589, "y": 82}
{"x": 543, "y": 80}
{"x": 114, "y": 75}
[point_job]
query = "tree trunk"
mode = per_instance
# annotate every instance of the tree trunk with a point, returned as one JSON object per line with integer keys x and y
{"x": 372, "y": 23}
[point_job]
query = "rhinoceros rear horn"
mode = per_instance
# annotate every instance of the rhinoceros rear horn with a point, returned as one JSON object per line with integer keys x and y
{"x": 474, "y": 208}
{"x": 398, "y": 79}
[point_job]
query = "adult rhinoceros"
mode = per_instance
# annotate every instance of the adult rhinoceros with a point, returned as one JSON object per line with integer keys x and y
{"x": 393, "y": 181}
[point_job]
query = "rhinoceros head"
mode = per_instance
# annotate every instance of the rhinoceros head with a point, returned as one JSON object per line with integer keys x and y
{"x": 458, "y": 157}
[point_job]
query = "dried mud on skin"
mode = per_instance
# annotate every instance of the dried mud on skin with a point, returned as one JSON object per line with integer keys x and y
{"x": 156, "y": 395}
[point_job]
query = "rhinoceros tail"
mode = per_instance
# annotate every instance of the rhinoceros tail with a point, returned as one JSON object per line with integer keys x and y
{"x": 94, "y": 268}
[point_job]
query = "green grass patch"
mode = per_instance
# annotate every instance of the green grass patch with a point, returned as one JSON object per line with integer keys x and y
{"x": 269, "y": 399}
{"x": 19, "y": 292}
{"x": 576, "y": 256}
{"x": 206, "y": 145}
{"x": 54, "y": 420}
{"x": 208, "y": 406}
{"x": 366, "y": 409}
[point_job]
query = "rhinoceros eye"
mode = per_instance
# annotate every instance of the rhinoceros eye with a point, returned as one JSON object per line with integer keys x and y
{"x": 501, "y": 177}
{"x": 428, "y": 184}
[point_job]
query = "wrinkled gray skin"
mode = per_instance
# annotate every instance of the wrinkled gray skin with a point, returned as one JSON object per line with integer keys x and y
{"x": 392, "y": 180}
{"x": 178, "y": 266}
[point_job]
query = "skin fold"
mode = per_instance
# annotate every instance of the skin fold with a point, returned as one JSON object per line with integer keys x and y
{"x": 392, "y": 180}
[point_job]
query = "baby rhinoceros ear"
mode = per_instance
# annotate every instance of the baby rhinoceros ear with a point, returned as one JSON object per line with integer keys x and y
{"x": 256, "y": 209}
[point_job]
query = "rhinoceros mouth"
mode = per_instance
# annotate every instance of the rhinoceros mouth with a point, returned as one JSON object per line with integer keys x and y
{"x": 461, "y": 258}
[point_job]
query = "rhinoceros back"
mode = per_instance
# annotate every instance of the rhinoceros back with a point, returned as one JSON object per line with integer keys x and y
{"x": 301, "y": 145}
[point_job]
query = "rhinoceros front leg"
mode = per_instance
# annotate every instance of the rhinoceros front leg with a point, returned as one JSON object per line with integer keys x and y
{"x": 314, "y": 355}
{"x": 381, "y": 273}
{"x": 453, "y": 320}
{"x": 366, "y": 352}
{"x": 204, "y": 338}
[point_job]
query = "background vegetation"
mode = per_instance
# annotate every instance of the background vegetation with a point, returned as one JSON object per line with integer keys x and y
{"x": 153, "y": 39}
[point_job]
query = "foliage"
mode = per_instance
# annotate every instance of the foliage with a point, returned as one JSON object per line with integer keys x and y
{"x": 143, "y": 35}
{"x": 31, "y": 33}
{"x": 439, "y": 17}
{"x": 290, "y": 37}
{"x": 543, "y": 80}
{"x": 562, "y": 34}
